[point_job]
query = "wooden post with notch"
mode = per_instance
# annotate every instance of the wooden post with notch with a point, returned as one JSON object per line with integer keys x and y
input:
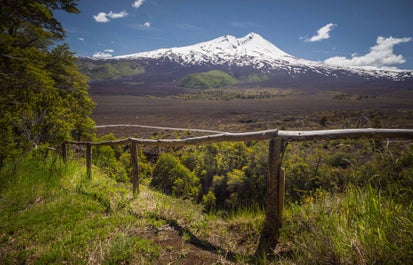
{"x": 135, "y": 168}
{"x": 89, "y": 160}
{"x": 274, "y": 200}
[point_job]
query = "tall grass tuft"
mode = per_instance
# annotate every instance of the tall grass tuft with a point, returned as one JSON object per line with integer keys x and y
{"x": 33, "y": 178}
{"x": 359, "y": 226}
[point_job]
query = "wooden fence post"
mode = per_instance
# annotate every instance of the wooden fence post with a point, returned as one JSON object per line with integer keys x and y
{"x": 64, "y": 151}
{"x": 135, "y": 168}
{"x": 281, "y": 193}
{"x": 274, "y": 201}
{"x": 89, "y": 160}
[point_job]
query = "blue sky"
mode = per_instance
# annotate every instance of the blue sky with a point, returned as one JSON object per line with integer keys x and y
{"x": 347, "y": 32}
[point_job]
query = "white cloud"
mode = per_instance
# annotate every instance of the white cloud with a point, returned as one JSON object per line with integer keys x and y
{"x": 380, "y": 55}
{"x": 102, "y": 55}
{"x": 103, "y": 17}
{"x": 117, "y": 15}
{"x": 322, "y": 34}
{"x": 138, "y": 3}
{"x": 142, "y": 27}
{"x": 106, "y": 54}
{"x": 81, "y": 39}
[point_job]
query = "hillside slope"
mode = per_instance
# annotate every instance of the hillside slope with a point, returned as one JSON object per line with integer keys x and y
{"x": 51, "y": 213}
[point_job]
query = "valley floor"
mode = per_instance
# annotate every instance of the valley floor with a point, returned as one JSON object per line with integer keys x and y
{"x": 295, "y": 110}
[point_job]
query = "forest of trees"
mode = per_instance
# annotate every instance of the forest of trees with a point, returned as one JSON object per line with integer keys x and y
{"x": 231, "y": 175}
{"x": 43, "y": 96}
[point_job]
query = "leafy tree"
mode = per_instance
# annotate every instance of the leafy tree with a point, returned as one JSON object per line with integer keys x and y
{"x": 234, "y": 173}
{"x": 43, "y": 96}
{"x": 174, "y": 178}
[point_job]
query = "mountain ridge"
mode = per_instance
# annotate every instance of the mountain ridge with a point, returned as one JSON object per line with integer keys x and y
{"x": 241, "y": 57}
{"x": 228, "y": 48}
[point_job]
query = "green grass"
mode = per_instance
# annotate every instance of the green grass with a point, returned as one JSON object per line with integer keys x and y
{"x": 359, "y": 226}
{"x": 50, "y": 213}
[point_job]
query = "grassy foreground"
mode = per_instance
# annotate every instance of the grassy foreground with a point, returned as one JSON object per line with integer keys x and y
{"x": 50, "y": 213}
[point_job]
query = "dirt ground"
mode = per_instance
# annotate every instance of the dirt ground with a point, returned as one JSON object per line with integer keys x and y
{"x": 296, "y": 111}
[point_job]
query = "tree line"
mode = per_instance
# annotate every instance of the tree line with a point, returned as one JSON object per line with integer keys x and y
{"x": 43, "y": 96}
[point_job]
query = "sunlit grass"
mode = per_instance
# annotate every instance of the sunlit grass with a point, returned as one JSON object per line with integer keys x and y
{"x": 51, "y": 213}
{"x": 359, "y": 226}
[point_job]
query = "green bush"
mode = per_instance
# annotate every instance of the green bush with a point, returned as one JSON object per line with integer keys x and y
{"x": 209, "y": 201}
{"x": 105, "y": 158}
{"x": 234, "y": 172}
{"x": 172, "y": 177}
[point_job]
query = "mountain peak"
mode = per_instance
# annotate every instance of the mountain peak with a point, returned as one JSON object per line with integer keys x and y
{"x": 221, "y": 49}
{"x": 252, "y": 35}
{"x": 251, "y": 50}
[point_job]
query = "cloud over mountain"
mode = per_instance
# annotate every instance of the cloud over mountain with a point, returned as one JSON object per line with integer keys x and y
{"x": 380, "y": 55}
{"x": 322, "y": 34}
{"x": 106, "y": 54}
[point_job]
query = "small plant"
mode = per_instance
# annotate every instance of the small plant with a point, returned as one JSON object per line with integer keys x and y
{"x": 123, "y": 249}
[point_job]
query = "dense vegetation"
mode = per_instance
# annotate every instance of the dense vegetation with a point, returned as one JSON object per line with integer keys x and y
{"x": 97, "y": 70}
{"x": 231, "y": 175}
{"x": 43, "y": 96}
{"x": 234, "y": 94}
{"x": 340, "y": 209}
{"x": 211, "y": 79}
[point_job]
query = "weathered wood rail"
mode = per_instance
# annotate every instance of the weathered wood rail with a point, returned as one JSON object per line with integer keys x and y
{"x": 276, "y": 177}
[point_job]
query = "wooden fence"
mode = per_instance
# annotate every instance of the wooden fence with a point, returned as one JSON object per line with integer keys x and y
{"x": 276, "y": 177}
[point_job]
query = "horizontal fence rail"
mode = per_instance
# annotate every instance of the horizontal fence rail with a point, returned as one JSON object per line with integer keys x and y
{"x": 294, "y": 136}
{"x": 157, "y": 128}
{"x": 276, "y": 176}
{"x": 290, "y": 136}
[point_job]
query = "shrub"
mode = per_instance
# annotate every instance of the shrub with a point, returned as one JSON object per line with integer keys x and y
{"x": 209, "y": 201}
{"x": 105, "y": 158}
{"x": 170, "y": 176}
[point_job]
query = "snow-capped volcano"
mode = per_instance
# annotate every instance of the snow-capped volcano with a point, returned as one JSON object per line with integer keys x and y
{"x": 254, "y": 51}
{"x": 251, "y": 60}
{"x": 220, "y": 50}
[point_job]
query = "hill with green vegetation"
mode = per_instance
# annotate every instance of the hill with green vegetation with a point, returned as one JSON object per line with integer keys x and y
{"x": 257, "y": 78}
{"x": 98, "y": 70}
{"x": 210, "y": 79}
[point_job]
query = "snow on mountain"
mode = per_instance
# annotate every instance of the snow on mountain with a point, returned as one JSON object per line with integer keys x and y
{"x": 254, "y": 51}
{"x": 251, "y": 49}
